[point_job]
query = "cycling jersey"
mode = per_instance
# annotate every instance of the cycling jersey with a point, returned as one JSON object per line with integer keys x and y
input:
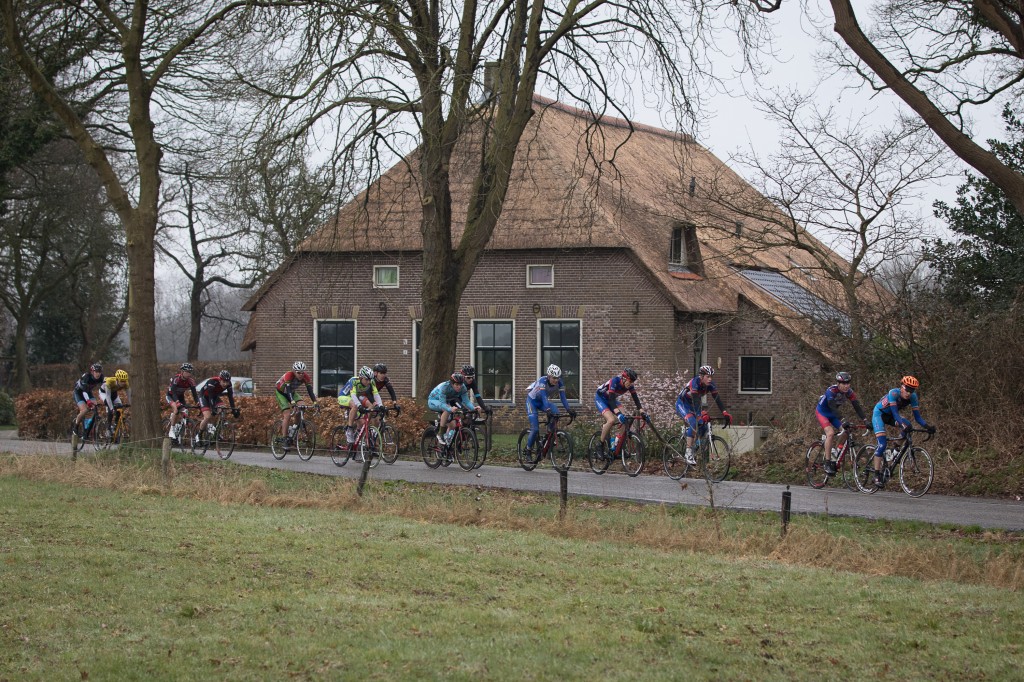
{"x": 85, "y": 385}
{"x": 446, "y": 394}
{"x": 209, "y": 397}
{"x": 386, "y": 384}
{"x": 887, "y": 410}
{"x": 108, "y": 392}
{"x": 176, "y": 389}
{"x": 540, "y": 395}
{"x": 607, "y": 394}
{"x": 694, "y": 390}
{"x": 473, "y": 392}
{"x": 290, "y": 382}
{"x": 354, "y": 389}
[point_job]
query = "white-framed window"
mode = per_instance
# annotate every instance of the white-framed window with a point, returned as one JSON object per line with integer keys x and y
{"x": 540, "y": 276}
{"x": 755, "y": 374}
{"x": 560, "y": 345}
{"x": 494, "y": 357}
{"x": 385, "y": 276}
{"x": 684, "y": 249}
{"x": 335, "y": 355}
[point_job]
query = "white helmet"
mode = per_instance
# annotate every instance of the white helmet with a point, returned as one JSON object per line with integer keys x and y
{"x": 554, "y": 371}
{"x": 299, "y": 366}
{"x": 365, "y": 372}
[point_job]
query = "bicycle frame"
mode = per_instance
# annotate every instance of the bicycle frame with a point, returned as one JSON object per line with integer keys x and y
{"x": 920, "y": 464}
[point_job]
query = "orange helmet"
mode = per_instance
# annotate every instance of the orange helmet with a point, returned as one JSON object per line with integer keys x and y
{"x": 910, "y": 382}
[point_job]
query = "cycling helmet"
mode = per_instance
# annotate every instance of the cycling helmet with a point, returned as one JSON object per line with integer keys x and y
{"x": 299, "y": 366}
{"x": 225, "y": 375}
{"x": 457, "y": 378}
{"x": 554, "y": 371}
{"x": 380, "y": 367}
{"x": 95, "y": 367}
{"x": 468, "y": 371}
{"x": 629, "y": 373}
{"x": 187, "y": 367}
{"x": 121, "y": 375}
{"x": 706, "y": 370}
{"x": 843, "y": 377}
{"x": 365, "y": 372}
{"x": 910, "y": 382}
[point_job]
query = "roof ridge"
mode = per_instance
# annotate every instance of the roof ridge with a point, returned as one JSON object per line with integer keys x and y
{"x": 611, "y": 121}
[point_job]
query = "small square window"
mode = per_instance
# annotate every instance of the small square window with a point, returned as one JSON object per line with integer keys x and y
{"x": 385, "y": 276}
{"x": 540, "y": 276}
{"x": 755, "y": 374}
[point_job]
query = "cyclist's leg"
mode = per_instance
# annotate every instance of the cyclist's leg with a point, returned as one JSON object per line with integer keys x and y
{"x": 689, "y": 417}
{"x": 531, "y": 414}
{"x": 878, "y": 424}
{"x": 283, "y": 404}
{"x": 82, "y": 406}
{"x": 441, "y": 408}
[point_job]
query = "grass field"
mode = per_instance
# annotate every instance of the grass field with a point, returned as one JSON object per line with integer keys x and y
{"x": 232, "y": 572}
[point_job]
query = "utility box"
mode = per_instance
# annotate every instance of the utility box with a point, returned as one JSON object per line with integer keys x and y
{"x": 744, "y": 438}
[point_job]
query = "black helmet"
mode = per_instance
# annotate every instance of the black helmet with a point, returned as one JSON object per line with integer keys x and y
{"x": 95, "y": 367}
{"x": 225, "y": 375}
{"x": 187, "y": 367}
{"x": 629, "y": 373}
{"x": 457, "y": 378}
{"x": 843, "y": 377}
{"x": 380, "y": 367}
{"x": 468, "y": 371}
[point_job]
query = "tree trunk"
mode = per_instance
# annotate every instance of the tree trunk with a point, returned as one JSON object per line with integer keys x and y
{"x": 195, "y": 317}
{"x": 22, "y": 382}
{"x": 146, "y": 384}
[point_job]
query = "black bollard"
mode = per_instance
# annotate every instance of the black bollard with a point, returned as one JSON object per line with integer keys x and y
{"x": 563, "y": 486}
{"x": 787, "y": 502}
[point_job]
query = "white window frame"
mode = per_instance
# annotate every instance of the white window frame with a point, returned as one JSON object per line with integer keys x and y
{"x": 681, "y": 261}
{"x": 472, "y": 353}
{"x": 539, "y": 350}
{"x": 377, "y": 285}
{"x": 529, "y": 269}
{"x": 739, "y": 374}
{"x": 316, "y": 347}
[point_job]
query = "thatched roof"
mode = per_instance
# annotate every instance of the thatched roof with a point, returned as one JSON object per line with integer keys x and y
{"x": 581, "y": 182}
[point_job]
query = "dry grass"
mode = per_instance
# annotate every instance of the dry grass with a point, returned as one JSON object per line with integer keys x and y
{"x": 915, "y": 551}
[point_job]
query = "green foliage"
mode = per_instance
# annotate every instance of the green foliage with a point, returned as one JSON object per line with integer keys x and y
{"x": 987, "y": 264}
{"x": 6, "y": 408}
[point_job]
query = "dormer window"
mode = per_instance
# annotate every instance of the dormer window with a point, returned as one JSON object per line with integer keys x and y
{"x": 684, "y": 249}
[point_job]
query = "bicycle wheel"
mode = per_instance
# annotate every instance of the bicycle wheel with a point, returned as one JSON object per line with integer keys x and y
{"x": 340, "y": 452}
{"x": 466, "y": 448}
{"x": 717, "y": 457}
{"x": 527, "y": 459}
{"x": 430, "y": 449}
{"x": 633, "y": 455}
{"x": 188, "y": 428}
{"x": 845, "y": 467}
{"x": 276, "y": 441}
{"x": 673, "y": 459}
{"x": 561, "y": 451}
{"x": 305, "y": 440}
{"x": 200, "y": 446}
{"x": 369, "y": 447}
{"x": 77, "y": 435}
{"x": 225, "y": 440}
{"x": 389, "y": 444}
{"x": 483, "y": 451}
{"x": 916, "y": 472}
{"x": 864, "y": 469}
{"x": 814, "y": 463}
{"x": 596, "y": 456}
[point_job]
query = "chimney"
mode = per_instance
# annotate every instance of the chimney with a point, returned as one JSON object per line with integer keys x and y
{"x": 490, "y": 79}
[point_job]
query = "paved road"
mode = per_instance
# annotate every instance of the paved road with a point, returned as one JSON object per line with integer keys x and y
{"x": 890, "y": 504}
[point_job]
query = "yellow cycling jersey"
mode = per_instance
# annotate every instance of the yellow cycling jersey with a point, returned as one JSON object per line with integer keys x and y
{"x": 113, "y": 386}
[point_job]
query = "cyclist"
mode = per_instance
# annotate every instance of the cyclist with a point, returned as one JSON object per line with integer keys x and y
{"x": 540, "y": 396}
{"x": 381, "y": 380}
{"x": 607, "y": 403}
{"x": 688, "y": 402}
{"x": 887, "y": 411}
{"x": 358, "y": 390}
{"x": 209, "y": 398}
{"x": 83, "y": 390}
{"x": 441, "y": 400}
{"x": 827, "y": 412}
{"x": 175, "y": 397}
{"x": 469, "y": 374}
{"x": 285, "y": 390}
{"x": 108, "y": 393}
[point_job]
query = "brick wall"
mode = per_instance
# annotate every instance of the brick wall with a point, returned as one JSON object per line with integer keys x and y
{"x": 625, "y": 319}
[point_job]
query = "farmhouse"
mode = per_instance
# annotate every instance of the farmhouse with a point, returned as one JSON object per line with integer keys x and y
{"x": 602, "y": 258}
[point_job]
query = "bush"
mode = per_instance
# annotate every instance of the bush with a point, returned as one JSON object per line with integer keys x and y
{"x": 6, "y": 408}
{"x": 44, "y": 413}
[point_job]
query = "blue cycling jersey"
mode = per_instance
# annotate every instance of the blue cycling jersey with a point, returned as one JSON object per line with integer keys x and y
{"x": 541, "y": 394}
{"x": 446, "y": 394}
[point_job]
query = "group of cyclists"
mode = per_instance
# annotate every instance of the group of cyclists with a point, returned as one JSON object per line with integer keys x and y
{"x": 460, "y": 391}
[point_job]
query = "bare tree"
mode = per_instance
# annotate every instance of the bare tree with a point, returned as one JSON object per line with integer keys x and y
{"x": 832, "y": 188}
{"x": 942, "y": 59}
{"x": 201, "y": 251}
{"x": 398, "y": 73}
{"x": 140, "y": 57}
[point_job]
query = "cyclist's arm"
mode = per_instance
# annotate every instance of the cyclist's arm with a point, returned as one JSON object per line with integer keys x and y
{"x": 565, "y": 399}
{"x": 376, "y": 395}
{"x": 231, "y": 396}
{"x": 636, "y": 398}
{"x": 391, "y": 392}
{"x": 718, "y": 401}
{"x": 859, "y": 410}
